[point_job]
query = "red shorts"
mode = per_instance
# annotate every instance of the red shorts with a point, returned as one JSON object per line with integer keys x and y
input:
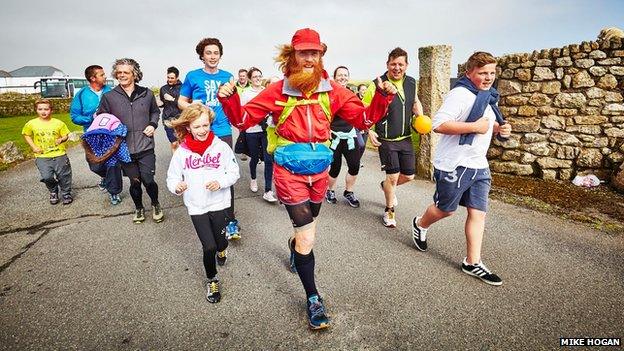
{"x": 293, "y": 189}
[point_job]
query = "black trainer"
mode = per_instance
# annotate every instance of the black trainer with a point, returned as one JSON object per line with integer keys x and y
{"x": 139, "y": 216}
{"x": 419, "y": 235}
{"x": 221, "y": 257}
{"x": 67, "y": 199}
{"x": 351, "y": 199}
{"x": 213, "y": 295}
{"x": 54, "y": 198}
{"x": 330, "y": 197}
{"x": 480, "y": 271}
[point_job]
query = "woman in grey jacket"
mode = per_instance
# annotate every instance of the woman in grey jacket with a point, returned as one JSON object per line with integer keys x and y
{"x": 136, "y": 107}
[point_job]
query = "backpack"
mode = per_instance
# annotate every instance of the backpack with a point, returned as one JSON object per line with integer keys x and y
{"x": 273, "y": 139}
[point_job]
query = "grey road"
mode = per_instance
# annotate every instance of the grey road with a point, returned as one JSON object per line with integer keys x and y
{"x": 84, "y": 276}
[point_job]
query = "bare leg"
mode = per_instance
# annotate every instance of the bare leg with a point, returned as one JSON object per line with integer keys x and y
{"x": 404, "y": 179}
{"x": 432, "y": 215}
{"x": 389, "y": 187}
{"x": 475, "y": 225}
{"x": 304, "y": 240}
{"x": 349, "y": 182}
{"x": 332, "y": 183}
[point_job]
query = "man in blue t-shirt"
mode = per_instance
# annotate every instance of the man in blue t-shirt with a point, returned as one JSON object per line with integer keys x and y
{"x": 201, "y": 86}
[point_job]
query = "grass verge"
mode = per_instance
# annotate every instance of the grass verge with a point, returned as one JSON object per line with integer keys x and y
{"x": 11, "y": 130}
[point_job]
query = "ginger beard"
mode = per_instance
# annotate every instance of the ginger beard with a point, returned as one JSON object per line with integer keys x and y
{"x": 306, "y": 82}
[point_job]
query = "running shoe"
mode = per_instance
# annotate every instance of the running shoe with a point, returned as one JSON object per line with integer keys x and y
{"x": 102, "y": 184}
{"x": 253, "y": 185}
{"x": 67, "y": 199}
{"x": 389, "y": 219}
{"x": 479, "y": 270}
{"x": 213, "y": 295}
{"x": 419, "y": 235}
{"x": 157, "y": 213}
{"x": 54, "y": 198}
{"x": 351, "y": 199}
{"x": 330, "y": 196}
{"x": 139, "y": 216}
{"x": 291, "y": 247}
{"x": 115, "y": 199}
{"x": 232, "y": 230}
{"x": 221, "y": 257}
{"x": 317, "y": 319}
{"x": 269, "y": 196}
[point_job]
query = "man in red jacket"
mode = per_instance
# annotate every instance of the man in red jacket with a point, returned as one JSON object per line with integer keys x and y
{"x": 303, "y": 105}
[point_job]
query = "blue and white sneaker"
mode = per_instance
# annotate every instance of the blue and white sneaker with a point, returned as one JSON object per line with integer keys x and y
{"x": 291, "y": 247}
{"x": 102, "y": 184}
{"x": 115, "y": 199}
{"x": 317, "y": 319}
{"x": 232, "y": 230}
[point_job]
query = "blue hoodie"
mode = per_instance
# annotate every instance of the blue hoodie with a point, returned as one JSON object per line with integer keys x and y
{"x": 83, "y": 106}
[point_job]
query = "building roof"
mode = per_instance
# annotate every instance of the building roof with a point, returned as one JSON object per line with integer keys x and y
{"x": 37, "y": 71}
{"x": 4, "y": 74}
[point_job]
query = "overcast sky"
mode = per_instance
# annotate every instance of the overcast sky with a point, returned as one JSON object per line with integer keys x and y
{"x": 71, "y": 35}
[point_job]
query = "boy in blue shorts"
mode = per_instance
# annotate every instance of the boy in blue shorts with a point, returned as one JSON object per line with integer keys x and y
{"x": 468, "y": 118}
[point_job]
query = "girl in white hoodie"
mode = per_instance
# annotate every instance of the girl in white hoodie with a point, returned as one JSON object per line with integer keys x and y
{"x": 201, "y": 170}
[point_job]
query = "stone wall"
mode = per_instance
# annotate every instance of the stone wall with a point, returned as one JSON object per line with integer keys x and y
{"x": 434, "y": 74}
{"x": 566, "y": 109}
{"x": 23, "y": 105}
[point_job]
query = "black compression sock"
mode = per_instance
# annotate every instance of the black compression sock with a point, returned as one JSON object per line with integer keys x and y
{"x": 305, "y": 269}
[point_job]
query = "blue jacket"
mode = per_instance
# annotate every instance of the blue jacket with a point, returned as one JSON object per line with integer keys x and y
{"x": 83, "y": 106}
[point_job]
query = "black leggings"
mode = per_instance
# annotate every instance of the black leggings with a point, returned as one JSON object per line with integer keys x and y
{"x": 352, "y": 156}
{"x": 141, "y": 170}
{"x": 210, "y": 228}
{"x": 304, "y": 213}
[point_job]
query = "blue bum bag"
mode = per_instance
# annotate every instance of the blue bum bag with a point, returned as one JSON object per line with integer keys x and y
{"x": 304, "y": 158}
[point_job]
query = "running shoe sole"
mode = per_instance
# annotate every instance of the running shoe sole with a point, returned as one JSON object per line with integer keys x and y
{"x": 319, "y": 327}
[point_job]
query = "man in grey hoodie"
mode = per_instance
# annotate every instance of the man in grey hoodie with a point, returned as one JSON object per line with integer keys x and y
{"x": 136, "y": 107}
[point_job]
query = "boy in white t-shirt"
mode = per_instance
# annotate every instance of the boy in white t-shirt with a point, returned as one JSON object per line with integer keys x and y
{"x": 467, "y": 120}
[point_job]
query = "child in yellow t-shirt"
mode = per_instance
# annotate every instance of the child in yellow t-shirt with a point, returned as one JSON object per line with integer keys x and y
{"x": 46, "y": 136}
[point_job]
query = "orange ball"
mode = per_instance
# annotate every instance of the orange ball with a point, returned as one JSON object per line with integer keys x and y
{"x": 422, "y": 124}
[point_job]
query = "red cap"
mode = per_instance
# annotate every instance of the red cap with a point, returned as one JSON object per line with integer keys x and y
{"x": 306, "y": 39}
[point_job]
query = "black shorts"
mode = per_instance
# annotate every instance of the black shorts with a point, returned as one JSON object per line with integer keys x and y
{"x": 397, "y": 156}
{"x": 171, "y": 135}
